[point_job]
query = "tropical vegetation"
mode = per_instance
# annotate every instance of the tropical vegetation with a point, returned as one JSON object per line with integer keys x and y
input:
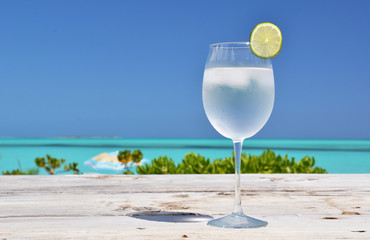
{"x": 126, "y": 156}
{"x": 50, "y": 165}
{"x": 267, "y": 162}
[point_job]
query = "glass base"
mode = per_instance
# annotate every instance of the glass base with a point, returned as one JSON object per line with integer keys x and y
{"x": 237, "y": 221}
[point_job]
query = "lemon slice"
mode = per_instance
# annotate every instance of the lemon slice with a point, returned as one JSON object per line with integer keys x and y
{"x": 266, "y": 40}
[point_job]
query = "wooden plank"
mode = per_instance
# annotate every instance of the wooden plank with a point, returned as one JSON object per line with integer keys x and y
{"x": 301, "y": 206}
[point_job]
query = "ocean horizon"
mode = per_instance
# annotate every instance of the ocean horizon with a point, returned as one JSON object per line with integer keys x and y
{"x": 335, "y": 155}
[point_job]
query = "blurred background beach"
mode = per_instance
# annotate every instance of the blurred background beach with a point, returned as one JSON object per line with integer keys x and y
{"x": 130, "y": 73}
{"x": 336, "y": 156}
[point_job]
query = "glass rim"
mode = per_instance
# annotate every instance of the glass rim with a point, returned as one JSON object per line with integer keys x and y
{"x": 231, "y": 45}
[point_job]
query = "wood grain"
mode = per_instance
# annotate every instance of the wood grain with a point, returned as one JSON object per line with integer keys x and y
{"x": 299, "y": 206}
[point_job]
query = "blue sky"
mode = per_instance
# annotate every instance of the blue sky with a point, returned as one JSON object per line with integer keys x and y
{"x": 134, "y": 69}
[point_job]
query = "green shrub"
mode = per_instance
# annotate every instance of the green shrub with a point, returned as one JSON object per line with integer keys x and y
{"x": 72, "y": 167}
{"x": 31, "y": 171}
{"x": 161, "y": 165}
{"x": 267, "y": 162}
{"x": 193, "y": 163}
{"x": 126, "y": 157}
{"x": 14, "y": 172}
{"x": 137, "y": 156}
{"x": 50, "y": 164}
{"x": 128, "y": 172}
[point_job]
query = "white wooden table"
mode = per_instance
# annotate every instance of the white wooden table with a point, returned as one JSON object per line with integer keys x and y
{"x": 301, "y": 206}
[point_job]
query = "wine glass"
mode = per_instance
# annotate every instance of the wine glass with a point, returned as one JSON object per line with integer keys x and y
{"x": 238, "y": 97}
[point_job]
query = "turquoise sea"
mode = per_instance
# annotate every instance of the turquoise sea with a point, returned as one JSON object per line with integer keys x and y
{"x": 336, "y": 156}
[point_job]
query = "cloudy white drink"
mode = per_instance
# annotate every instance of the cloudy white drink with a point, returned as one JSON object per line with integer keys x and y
{"x": 238, "y": 101}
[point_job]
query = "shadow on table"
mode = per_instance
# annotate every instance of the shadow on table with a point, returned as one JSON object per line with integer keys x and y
{"x": 159, "y": 216}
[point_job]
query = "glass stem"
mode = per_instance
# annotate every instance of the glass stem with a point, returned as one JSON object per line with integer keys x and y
{"x": 237, "y": 201}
